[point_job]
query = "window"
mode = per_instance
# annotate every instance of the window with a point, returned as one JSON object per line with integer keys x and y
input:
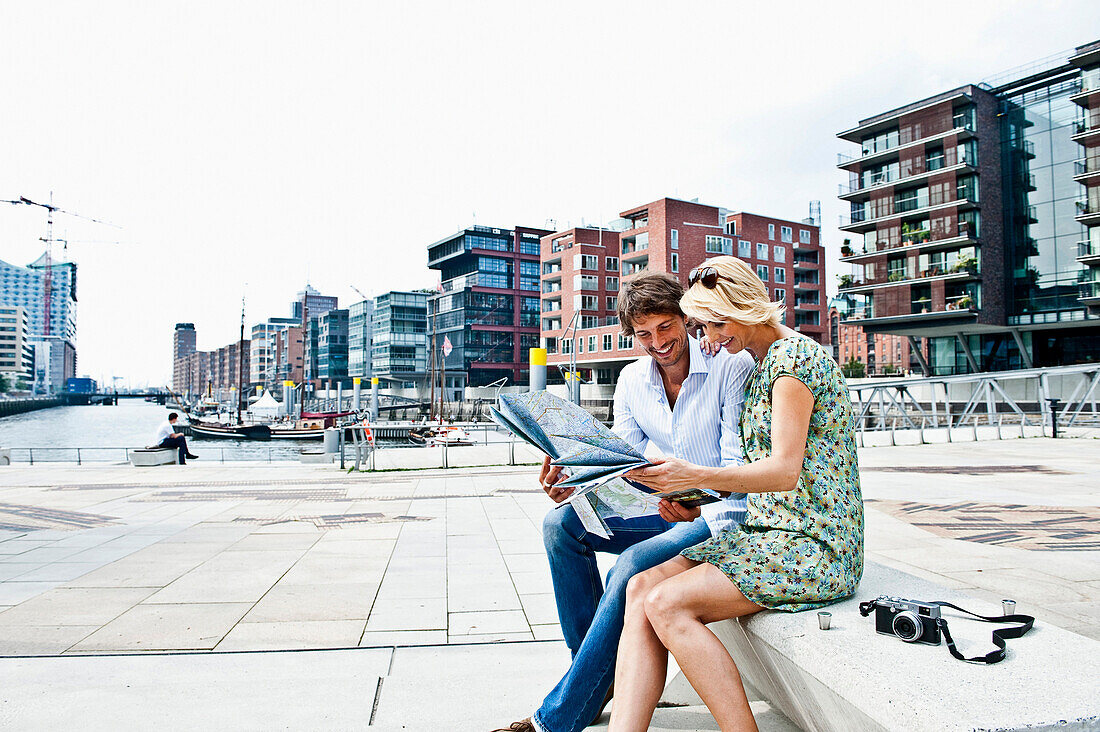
{"x": 674, "y": 239}
{"x": 586, "y": 261}
{"x": 591, "y": 344}
{"x": 762, "y": 272}
{"x": 580, "y": 345}
{"x": 719, "y": 244}
{"x": 780, "y": 275}
{"x": 612, "y": 264}
{"x": 589, "y": 321}
{"x": 626, "y": 343}
{"x": 786, "y": 233}
{"x": 779, "y": 254}
{"x": 731, "y": 227}
{"x": 585, "y": 302}
{"x": 744, "y": 249}
{"x": 612, "y": 284}
{"x": 771, "y": 231}
{"x": 607, "y": 341}
{"x": 675, "y": 262}
{"x": 761, "y": 251}
{"x": 566, "y": 345}
{"x": 780, "y": 294}
{"x": 804, "y": 236}
{"x": 613, "y": 302}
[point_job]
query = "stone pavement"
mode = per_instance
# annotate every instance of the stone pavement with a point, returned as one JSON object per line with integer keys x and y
{"x": 423, "y": 569}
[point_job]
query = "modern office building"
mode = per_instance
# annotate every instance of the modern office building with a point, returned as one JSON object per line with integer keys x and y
{"x": 583, "y": 269}
{"x": 310, "y": 303}
{"x": 399, "y": 338}
{"x": 488, "y": 308}
{"x": 289, "y": 356}
{"x": 16, "y": 352}
{"x": 968, "y": 220}
{"x": 262, "y": 358}
{"x": 332, "y": 347}
{"x": 359, "y": 338}
{"x": 184, "y": 342}
{"x": 55, "y": 341}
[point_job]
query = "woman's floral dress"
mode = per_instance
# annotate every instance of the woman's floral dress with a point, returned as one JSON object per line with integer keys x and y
{"x": 799, "y": 549}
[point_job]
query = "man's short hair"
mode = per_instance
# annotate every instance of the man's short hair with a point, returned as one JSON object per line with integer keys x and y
{"x": 656, "y": 293}
{"x": 171, "y": 416}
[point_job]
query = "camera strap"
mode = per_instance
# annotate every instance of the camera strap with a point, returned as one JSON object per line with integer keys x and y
{"x": 1025, "y": 624}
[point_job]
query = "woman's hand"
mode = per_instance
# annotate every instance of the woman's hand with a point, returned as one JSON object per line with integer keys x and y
{"x": 672, "y": 474}
{"x": 708, "y": 346}
{"x": 673, "y": 511}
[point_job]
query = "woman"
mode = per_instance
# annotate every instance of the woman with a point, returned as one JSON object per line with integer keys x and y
{"x": 801, "y": 545}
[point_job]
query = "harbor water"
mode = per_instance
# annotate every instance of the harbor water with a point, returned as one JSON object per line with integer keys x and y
{"x": 93, "y": 433}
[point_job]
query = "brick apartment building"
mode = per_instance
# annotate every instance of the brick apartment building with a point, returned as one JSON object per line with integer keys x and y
{"x": 584, "y": 267}
{"x": 968, "y": 214}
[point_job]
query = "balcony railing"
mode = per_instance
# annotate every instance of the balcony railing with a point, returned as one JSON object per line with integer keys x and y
{"x": 886, "y": 177}
{"x": 457, "y": 284}
{"x": 1088, "y": 290}
{"x": 551, "y": 286}
{"x": 960, "y": 269}
{"x": 1087, "y": 249}
{"x": 862, "y": 216}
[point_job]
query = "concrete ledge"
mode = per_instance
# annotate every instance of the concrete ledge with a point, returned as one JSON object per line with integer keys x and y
{"x": 852, "y": 678}
{"x": 144, "y": 457}
{"x": 315, "y": 456}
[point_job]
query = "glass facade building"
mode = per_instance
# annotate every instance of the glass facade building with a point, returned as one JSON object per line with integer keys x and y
{"x": 970, "y": 211}
{"x": 359, "y": 338}
{"x": 488, "y": 308}
{"x": 399, "y": 338}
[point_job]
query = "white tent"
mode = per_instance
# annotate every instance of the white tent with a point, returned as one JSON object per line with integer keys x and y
{"x": 266, "y": 407}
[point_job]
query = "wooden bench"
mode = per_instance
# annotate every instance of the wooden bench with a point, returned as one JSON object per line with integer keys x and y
{"x": 854, "y": 679}
{"x": 144, "y": 457}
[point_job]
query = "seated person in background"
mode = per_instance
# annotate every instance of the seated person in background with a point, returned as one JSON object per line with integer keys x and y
{"x": 168, "y": 437}
{"x": 800, "y": 545}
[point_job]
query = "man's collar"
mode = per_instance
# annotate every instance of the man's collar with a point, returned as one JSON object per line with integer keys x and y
{"x": 697, "y": 364}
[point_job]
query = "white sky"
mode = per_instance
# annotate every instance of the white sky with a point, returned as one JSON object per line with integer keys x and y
{"x": 246, "y": 148}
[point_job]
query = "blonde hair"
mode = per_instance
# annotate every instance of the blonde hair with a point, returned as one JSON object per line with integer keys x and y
{"x": 739, "y": 295}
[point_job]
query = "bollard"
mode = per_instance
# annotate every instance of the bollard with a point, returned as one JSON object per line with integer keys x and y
{"x": 374, "y": 399}
{"x": 1054, "y": 401}
{"x": 356, "y": 391}
{"x": 537, "y": 357}
{"x": 975, "y": 426}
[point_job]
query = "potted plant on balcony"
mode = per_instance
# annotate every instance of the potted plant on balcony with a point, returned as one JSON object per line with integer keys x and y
{"x": 964, "y": 303}
{"x": 846, "y": 250}
{"x": 896, "y": 277}
{"x": 921, "y": 305}
{"x": 966, "y": 264}
{"x": 845, "y": 280}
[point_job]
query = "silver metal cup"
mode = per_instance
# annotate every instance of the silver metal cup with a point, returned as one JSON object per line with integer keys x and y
{"x": 824, "y": 620}
{"x": 1008, "y": 606}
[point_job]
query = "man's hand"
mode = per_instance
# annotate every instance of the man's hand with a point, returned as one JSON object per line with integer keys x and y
{"x": 548, "y": 478}
{"x": 673, "y": 511}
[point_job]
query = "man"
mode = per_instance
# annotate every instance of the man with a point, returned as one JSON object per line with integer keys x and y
{"x": 689, "y": 406}
{"x": 168, "y": 437}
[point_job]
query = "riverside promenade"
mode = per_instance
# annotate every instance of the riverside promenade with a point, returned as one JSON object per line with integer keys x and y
{"x": 259, "y": 596}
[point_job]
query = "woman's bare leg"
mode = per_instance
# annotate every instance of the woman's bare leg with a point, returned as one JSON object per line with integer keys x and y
{"x": 678, "y": 609}
{"x": 642, "y": 661}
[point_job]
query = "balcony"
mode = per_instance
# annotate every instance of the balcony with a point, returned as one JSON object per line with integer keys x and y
{"x": 554, "y": 286}
{"x": 913, "y": 241}
{"x": 1086, "y": 169}
{"x": 1090, "y": 90}
{"x": 1085, "y": 132}
{"x": 803, "y": 263}
{"x": 964, "y": 128}
{"x": 1089, "y": 293}
{"x": 804, "y": 284}
{"x": 856, "y": 191}
{"x": 961, "y": 271}
{"x": 1088, "y": 213}
{"x": 859, "y": 222}
{"x": 551, "y": 306}
{"x": 1088, "y": 253}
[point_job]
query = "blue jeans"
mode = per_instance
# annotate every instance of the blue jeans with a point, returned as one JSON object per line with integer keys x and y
{"x": 592, "y": 616}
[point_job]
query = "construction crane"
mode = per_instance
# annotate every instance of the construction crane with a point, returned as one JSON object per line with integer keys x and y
{"x": 47, "y": 295}
{"x": 359, "y": 292}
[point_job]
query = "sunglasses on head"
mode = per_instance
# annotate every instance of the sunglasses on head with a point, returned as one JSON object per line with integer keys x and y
{"x": 709, "y": 276}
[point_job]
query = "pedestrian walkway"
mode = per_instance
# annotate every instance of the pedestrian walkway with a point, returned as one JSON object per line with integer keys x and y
{"x": 433, "y": 571}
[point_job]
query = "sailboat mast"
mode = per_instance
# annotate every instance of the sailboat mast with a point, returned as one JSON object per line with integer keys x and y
{"x": 240, "y": 365}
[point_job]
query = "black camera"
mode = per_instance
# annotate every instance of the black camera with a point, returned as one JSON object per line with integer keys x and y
{"x": 911, "y": 620}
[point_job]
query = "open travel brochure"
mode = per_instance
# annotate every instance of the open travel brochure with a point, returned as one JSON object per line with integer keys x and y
{"x": 594, "y": 457}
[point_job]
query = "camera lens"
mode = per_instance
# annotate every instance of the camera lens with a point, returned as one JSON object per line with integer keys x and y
{"x": 907, "y": 626}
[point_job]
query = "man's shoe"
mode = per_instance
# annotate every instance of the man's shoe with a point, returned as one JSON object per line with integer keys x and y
{"x": 524, "y": 725}
{"x": 603, "y": 706}
{"x": 192, "y": 457}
